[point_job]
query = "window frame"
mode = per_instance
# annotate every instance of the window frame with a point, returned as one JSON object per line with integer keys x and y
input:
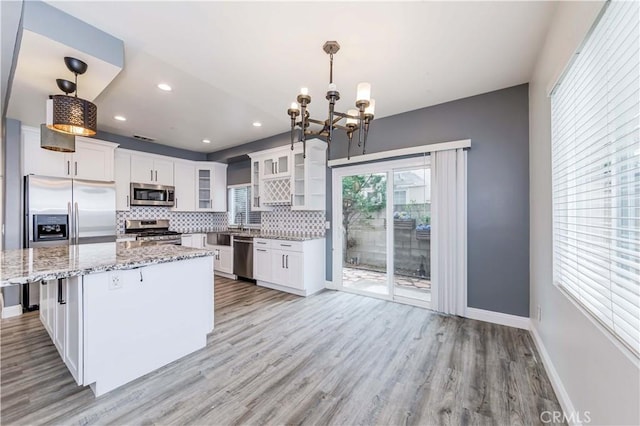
{"x": 627, "y": 347}
{"x": 231, "y": 213}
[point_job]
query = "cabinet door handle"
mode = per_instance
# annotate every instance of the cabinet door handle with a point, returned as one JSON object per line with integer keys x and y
{"x": 151, "y": 171}
{"x": 258, "y": 201}
{"x": 141, "y": 279}
{"x": 204, "y": 241}
{"x": 276, "y": 168}
{"x": 285, "y": 245}
{"x": 283, "y": 261}
{"x": 176, "y": 206}
{"x": 76, "y": 167}
{"x": 261, "y": 249}
{"x": 68, "y": 168}
{"x": 127, "y": 201}
{"x": 156, "y": 175}
{"x": 60, "y": 299}
{"x": 210, "y": 204}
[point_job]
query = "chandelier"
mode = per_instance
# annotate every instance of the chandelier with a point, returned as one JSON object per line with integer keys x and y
{"x": 355, "y": 119}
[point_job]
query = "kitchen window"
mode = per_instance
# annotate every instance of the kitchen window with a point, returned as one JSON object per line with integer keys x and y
{"x": 240, "y": 213}
{"x": 596, "y": 175}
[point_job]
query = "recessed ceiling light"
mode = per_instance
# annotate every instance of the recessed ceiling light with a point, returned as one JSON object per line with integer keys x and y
{"x": 164, "y": 86}
{"x": 257, "y": 124}
{"x": 206, "y": 141}
{"x": 120, "y": 118}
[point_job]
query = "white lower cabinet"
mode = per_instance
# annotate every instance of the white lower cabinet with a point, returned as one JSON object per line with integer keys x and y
{"x": 194, "y": 240}
{"x": 222, "y": 258}
{"x": 61, "y": 315}
{"x": 296, "y": 267}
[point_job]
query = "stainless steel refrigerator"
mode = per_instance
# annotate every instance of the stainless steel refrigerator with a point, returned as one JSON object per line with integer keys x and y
{"x": 66, "y": 211}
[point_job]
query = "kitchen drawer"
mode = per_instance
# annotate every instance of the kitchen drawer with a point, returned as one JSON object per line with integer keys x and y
{"x": 262, "y": 243}
{"x": 287, "y": 245}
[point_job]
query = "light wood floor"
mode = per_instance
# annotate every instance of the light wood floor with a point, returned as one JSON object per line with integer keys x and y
{"x": 273, "y": 358}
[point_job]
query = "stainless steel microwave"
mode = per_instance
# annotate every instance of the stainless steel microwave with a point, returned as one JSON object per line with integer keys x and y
{"x": 144, "y": 194}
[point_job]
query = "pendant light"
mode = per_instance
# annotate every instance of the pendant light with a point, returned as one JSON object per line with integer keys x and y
{"x": 71, "y": 114}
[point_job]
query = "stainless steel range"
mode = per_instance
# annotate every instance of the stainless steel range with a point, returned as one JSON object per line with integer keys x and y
{"x": 154, "y": 231}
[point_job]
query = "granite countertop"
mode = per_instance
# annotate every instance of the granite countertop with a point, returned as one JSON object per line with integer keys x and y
{"x": 30, "y": 265}
{"x": 258, "y": 234}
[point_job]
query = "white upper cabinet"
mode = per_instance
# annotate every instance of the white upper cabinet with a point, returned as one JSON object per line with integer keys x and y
{"x": 151, "y": 169}
{"x": 93, "y": 159}
{"x": 211, "y": 186}
{"x": 281, "y": 176}
{"x": 278, "y": 165}
{"x": 123, "y": 180}
{"x": 184, "y": 181}
{"x": 308, "y": 178}
{"x": 257, "y": 204}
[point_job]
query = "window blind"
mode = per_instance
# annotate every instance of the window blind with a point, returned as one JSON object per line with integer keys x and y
{"x": 240, "y": 207}
{"x": 595, "y": 126}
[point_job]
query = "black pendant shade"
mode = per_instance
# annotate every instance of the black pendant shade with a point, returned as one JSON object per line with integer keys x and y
{"x": 71, "y": 114}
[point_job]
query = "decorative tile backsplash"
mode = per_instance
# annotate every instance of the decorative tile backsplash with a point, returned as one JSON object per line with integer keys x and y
{"x": 283, "y": 219}
{"x": 179, "y": 221}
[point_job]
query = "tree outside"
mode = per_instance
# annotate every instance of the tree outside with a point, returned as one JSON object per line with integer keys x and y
{"x": 362, "y": 196}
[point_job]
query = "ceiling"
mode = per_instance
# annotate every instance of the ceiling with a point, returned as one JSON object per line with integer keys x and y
{"x": 233, "y": 63}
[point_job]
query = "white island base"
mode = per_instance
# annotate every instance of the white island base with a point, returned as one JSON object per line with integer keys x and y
{"x": 113, "y": 327}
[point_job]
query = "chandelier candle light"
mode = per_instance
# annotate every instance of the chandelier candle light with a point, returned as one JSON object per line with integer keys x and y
{"x": 356, "y": 119}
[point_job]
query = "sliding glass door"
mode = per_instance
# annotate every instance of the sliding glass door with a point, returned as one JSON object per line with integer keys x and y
{"x": 382, "y": 241}
{"x": 364, "y": 235}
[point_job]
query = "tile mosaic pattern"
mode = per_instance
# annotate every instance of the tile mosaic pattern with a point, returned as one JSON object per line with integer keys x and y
{"x": 282, "y": 218}
{"x": 180, "y": 221}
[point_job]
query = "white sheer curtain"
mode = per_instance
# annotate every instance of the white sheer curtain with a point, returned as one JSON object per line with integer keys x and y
{"x": 449, "y": 231}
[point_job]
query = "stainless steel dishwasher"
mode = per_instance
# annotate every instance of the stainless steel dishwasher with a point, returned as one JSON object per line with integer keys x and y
{"x": 243, "y": 256}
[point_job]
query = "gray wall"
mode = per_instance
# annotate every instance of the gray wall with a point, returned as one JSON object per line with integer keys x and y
{"x": 10, "y": 16}
{"x": 498, "y": 184}
{"x": 57, "y": 25}
{"x": 150, "y": 147}
{"x": 12, "y": 202}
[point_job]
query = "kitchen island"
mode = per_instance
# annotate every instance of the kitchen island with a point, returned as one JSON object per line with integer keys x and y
{"x": 117, "y": 311}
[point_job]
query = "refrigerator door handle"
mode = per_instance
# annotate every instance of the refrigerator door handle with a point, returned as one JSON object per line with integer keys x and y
{"x": 77, "y": 223}
{"x": 71, "y": 223}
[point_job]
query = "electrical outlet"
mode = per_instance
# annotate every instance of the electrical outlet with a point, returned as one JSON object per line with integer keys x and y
{"x": 115, "y": 282}
{"x": 539, "y": 313}
{"x": 327, "y": 225}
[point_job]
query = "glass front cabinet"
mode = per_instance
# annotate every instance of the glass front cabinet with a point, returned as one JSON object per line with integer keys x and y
{"x": 211, "y": 187}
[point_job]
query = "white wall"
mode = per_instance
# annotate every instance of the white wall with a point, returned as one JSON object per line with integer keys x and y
{"x": 595, "y": 373}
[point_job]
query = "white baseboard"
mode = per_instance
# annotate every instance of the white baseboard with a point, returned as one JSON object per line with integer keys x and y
{"x": 498, "y": 318}
{"x": 11, "y": 311}
{"x": 329, "y": 285}
{"x": 226, "y": 275}
{"x": 556, "y": 382}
